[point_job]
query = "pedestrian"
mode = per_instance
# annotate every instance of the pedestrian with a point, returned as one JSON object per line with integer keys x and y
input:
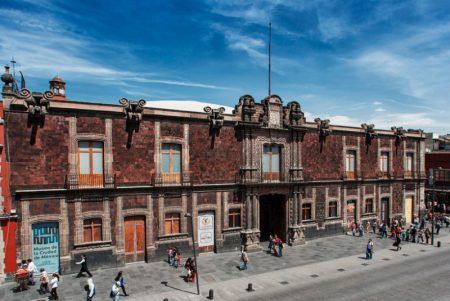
{"x": 274, "y": 245}
{"x": 369, "y": 249}
{"x": 420, "y": 236}
{"x": 114, "y": 294}
{"x": 90, "y": 289}
{"x": 398, "y": 241}
{"x": 438, "y": 225}
{"x": 361, "y": 229}
{"x": 244, "y": 259}
{"x": 31, "y": 271}
{"x": 367, "y": 226}
{"x": 119, "y": 279}
{"x": 446, "y": 220}
{"x": 187, "y": 266}
{"x": 374, "y": 226}
{"x": 427, "y": 234}
{"x": 169, "y": 256}
{"x": 193, "y": 272}
{"x": 43, "y": 288}
{"x": 270, "y": 243}
{"x": 54, "y": 284}
{"x": 353, "y": 228}
{"x": 280, "y": 248}
{"x": 384, "y": 230}
{"x": 407, "y": 234}
{"x": 178, "y": 259}
{"x": 173, "y": 260}
{"x": 413, "y": 233}
{"x": 403, "y": 233}
{"x": 84, "y": 267}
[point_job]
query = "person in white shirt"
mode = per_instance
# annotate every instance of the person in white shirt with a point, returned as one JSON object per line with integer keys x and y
{"x": 44, "y": 282}
{"x": 54, "y": 285}
{"x": 90, "y": 289}
{"x": 31, "y": 271}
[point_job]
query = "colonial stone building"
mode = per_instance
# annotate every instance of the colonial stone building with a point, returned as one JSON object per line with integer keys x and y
{"x": 115, "y": 181}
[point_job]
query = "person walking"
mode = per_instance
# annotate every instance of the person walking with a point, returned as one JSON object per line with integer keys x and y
{"x": 438, "y": 225}
{"x": 413, "y": 234}
{"x": 361, "y": 229}
{"x": 178, "y": 259}
{"x": 427, "y": 235}
{"x": 31, "y": 271}
{"x": 119, "y": 279}
{"x": 54, "y": 284}
{"x": 420, "y": 236}
{"x": 397, "y": 242}
{"x": 280, "y": 248}
{"x": 244, "y": 259}
{"x": 90, "y": 289}
{"x": 384, "y": 231}
{"x": 353, "y": 228}
{"x": 270, "y": 244}
{"x": 115, "y": 294}
{"x": 369, "y": 249}
{"x": 374, "y": 226}
{"x": 84, "y": 267}
{"x": 43, "y": 288}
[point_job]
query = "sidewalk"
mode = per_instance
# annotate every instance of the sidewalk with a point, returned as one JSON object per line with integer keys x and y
{"x": 156, "y": 281}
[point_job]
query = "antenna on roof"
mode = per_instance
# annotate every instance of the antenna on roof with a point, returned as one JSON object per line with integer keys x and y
{"x": 270, "y": 57}
{"x": 13, "y": 62}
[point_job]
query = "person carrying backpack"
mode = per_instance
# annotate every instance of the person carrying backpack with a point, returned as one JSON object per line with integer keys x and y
{"x": 114, "y": 294}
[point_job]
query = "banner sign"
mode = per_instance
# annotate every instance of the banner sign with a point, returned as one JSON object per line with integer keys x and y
{"x": 45, "y": 246}
{"x": 205, "y": 229}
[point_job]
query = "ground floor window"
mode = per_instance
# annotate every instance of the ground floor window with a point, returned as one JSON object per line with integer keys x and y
{"x": 92, "y": 229}
{"x": 306, "y": 211}
{"x": 369, "y": 206}
{"x": 332, "y": 209}
{"x": 172, "y": 223}
{"x": 234, "y": 218}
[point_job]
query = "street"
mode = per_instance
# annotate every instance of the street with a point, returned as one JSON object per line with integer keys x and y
{"x": 424, "y": 278}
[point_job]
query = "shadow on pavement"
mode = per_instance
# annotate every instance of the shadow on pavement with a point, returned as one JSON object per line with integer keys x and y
{"x": 165, "y": 283}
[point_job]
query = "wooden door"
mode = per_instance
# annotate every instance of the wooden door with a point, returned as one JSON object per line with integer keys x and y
{"x": 384, "y": 212}
{"x": 408, "y": 209}
{"x": 351, "y": 213}
{"x": 134, "y": 238}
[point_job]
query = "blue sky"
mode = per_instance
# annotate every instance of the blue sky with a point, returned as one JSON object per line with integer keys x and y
{"x": 381, "y": 62}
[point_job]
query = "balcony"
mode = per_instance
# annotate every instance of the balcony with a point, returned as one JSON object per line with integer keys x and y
{"x": 349, "y": 175}
{"x": 269, "y": 177}
{"x": 169, "y": 179}
{"x": 89, "y": 181}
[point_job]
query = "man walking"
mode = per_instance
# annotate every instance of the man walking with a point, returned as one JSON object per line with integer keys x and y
{"x": 374, "y": 226}
{"x": 84, "y": 267}
{"x": 244, "y": 259}
{"x": 369, "y": 249}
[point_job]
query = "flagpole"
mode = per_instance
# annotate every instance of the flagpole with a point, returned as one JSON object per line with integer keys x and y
{"x": 270, "y": 57}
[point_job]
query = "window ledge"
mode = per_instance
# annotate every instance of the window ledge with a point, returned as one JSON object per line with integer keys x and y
{"x": 308, "y": 222}
{"x": 333, "y": 218}
{"x": 173, "y": 236}
{"x": 93, "y": 244}
{"x": 232, "y": 229}
{"x": 368, "y": 214}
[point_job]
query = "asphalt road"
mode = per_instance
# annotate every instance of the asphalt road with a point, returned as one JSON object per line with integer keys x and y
{"x": 417, "y": 278}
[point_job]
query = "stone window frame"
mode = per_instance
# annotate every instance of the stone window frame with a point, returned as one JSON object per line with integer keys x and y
{"x": 257, "y": 151}
{"x": 338, "y": 209}
{"x": 179, "y": 222}
{"x": 373, "y": 205}
{"x": 412, "y": 172}
{"x": 234, "y": 207}
{"x": 162, "y": 226}
{"x": 180, "y": 142}
{"x": 357, "y": 171}
{"x": 313, "y": 212}
{"x": 80, "y": 230}
{"x": 282, "y": 157}
{"x": 91, "y": 228}
{"x": 389, "y": 150}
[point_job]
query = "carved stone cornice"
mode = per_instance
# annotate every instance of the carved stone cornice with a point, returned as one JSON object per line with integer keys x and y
{"x": 370, "y": 132}
{"x": 215, "y": 117}
{"x": 324, "y": 128}
{"x": 399, "y": 133}
{"x": 133, "y": 110}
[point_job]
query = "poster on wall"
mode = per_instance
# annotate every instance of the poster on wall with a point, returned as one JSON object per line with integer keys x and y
{"x": 45, "y": 247}
{"x": 205, "y": 229}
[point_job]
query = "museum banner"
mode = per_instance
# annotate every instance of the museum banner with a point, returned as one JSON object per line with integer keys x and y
{"x": 45, "y": 246}
{"x": 206, "y": 229}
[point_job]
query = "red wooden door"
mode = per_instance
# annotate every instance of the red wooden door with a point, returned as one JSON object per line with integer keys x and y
{"x": 134, "y": 238}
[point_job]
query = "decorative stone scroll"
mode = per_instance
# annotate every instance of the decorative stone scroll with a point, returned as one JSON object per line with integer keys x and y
{"x": 324, "y": 128}
{"x": 399, "y": 133}
{"x": 215, "y": 117}
{"x": 370, "y": 132}
{"x": 37, "y": 105}
{"x": 293, "y": 115}
{"x": 133, "y": 110}
{"x": 246, "y": 107}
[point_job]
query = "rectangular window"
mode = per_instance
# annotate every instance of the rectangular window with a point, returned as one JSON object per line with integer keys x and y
{"x": 332, "y": 209}
{"x": 271, "y": 162}
{"x": 409, "y": 164}
{"x": 172, "y": 223}
{"x": 90, "y": 163}
{"x": 92, "y": 229}
{"x": 171, "y": 163}
{"x": 350, "y": 158}
{"x": 369, "y": 206}
{"x": 384, "y": 164}
{"x": 234, "y": 218}
{"x": 306, "y": 211}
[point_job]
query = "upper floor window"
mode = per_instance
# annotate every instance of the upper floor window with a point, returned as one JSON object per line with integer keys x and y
{"x": 172, "y": 223}
{"x": 271, "y": 162}
{"x": 234, "y": 218}
{"x": 384, "y": 163}
{"x": 332, "y": 209}
{"x": 92, "y": 230}
{"x": 350, "y": 158}
{"x": 90, "y": 163}
{"x": 409, "y": 164}
{"x": 306, "y": 211}
{"x": 171, "y": 163}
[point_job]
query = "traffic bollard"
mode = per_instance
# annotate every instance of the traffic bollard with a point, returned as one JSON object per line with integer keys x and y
{"x": 438, "y": 244}
{"x": 165, "y": 299}
{"x": 250, "y": 287}
{"x": 211, "y": 294}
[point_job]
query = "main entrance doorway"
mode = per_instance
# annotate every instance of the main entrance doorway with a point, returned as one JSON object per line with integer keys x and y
{"x": 272, "y": 216}
{"x": 134, "y": 238}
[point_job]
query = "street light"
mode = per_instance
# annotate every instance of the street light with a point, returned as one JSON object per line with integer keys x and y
{"x": 193, "y": 248}
{"x": 432, "y": 183}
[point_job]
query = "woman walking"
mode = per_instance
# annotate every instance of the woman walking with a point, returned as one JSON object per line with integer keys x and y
{"x": 244, "y": 259}
{"x": 54, "y": 285}
{"x": 43, "y": 289}
{"x": 119, "y": 279}
{"x": 397, "y": 242}
{"x": 84, "y": 267}
{"x": 114, "y": 294}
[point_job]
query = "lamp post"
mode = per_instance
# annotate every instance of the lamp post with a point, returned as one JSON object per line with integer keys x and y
{"x": 188, "y": 215}
{"x": 432, "y": 183}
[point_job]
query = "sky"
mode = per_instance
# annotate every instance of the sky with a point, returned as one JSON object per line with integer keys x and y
{"x": 369, "y": 61}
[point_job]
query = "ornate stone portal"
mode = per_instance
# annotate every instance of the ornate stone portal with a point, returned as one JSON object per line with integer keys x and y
{"x": 296, "y": 235}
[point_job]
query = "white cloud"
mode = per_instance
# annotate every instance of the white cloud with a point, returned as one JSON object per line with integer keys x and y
{"x": 380, "y": 110}
{"x": 377, "y": 103}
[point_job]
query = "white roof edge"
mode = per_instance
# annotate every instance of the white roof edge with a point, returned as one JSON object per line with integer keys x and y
{"x": 185, "y": 105}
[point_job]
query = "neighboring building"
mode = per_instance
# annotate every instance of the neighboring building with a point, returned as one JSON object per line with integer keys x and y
{"x": 115, "y": 181}
{"x": 8, "y": 218}
{"x": 435, "y": 142}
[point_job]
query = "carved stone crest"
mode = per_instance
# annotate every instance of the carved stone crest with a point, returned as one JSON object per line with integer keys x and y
{"x": 293, "y": 115}
{"x": 246, "y": 107}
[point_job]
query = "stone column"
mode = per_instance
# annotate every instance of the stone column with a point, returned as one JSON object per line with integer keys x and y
{"x": 185, "y": 154}
{"x": 295, "y": 208}
{"x": 106, "y": 220}
{"x": 225, "y": 209}
{"x": 157, "y": 155}
{"x": 73, "y": 169}
{"x": 248, "y": 205}
{"x": 26, "y": 229}
{"x": 218, "y": 221}
{"x": 194, "y": 216}
{"x": 119, "y": 228}
{"x": 149, "y": 227}
{"x": 255, "y": 213}
{"x": 184, "y": 221}
{"x": 161, "y": 214}
{"x": 78, "y": 222}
